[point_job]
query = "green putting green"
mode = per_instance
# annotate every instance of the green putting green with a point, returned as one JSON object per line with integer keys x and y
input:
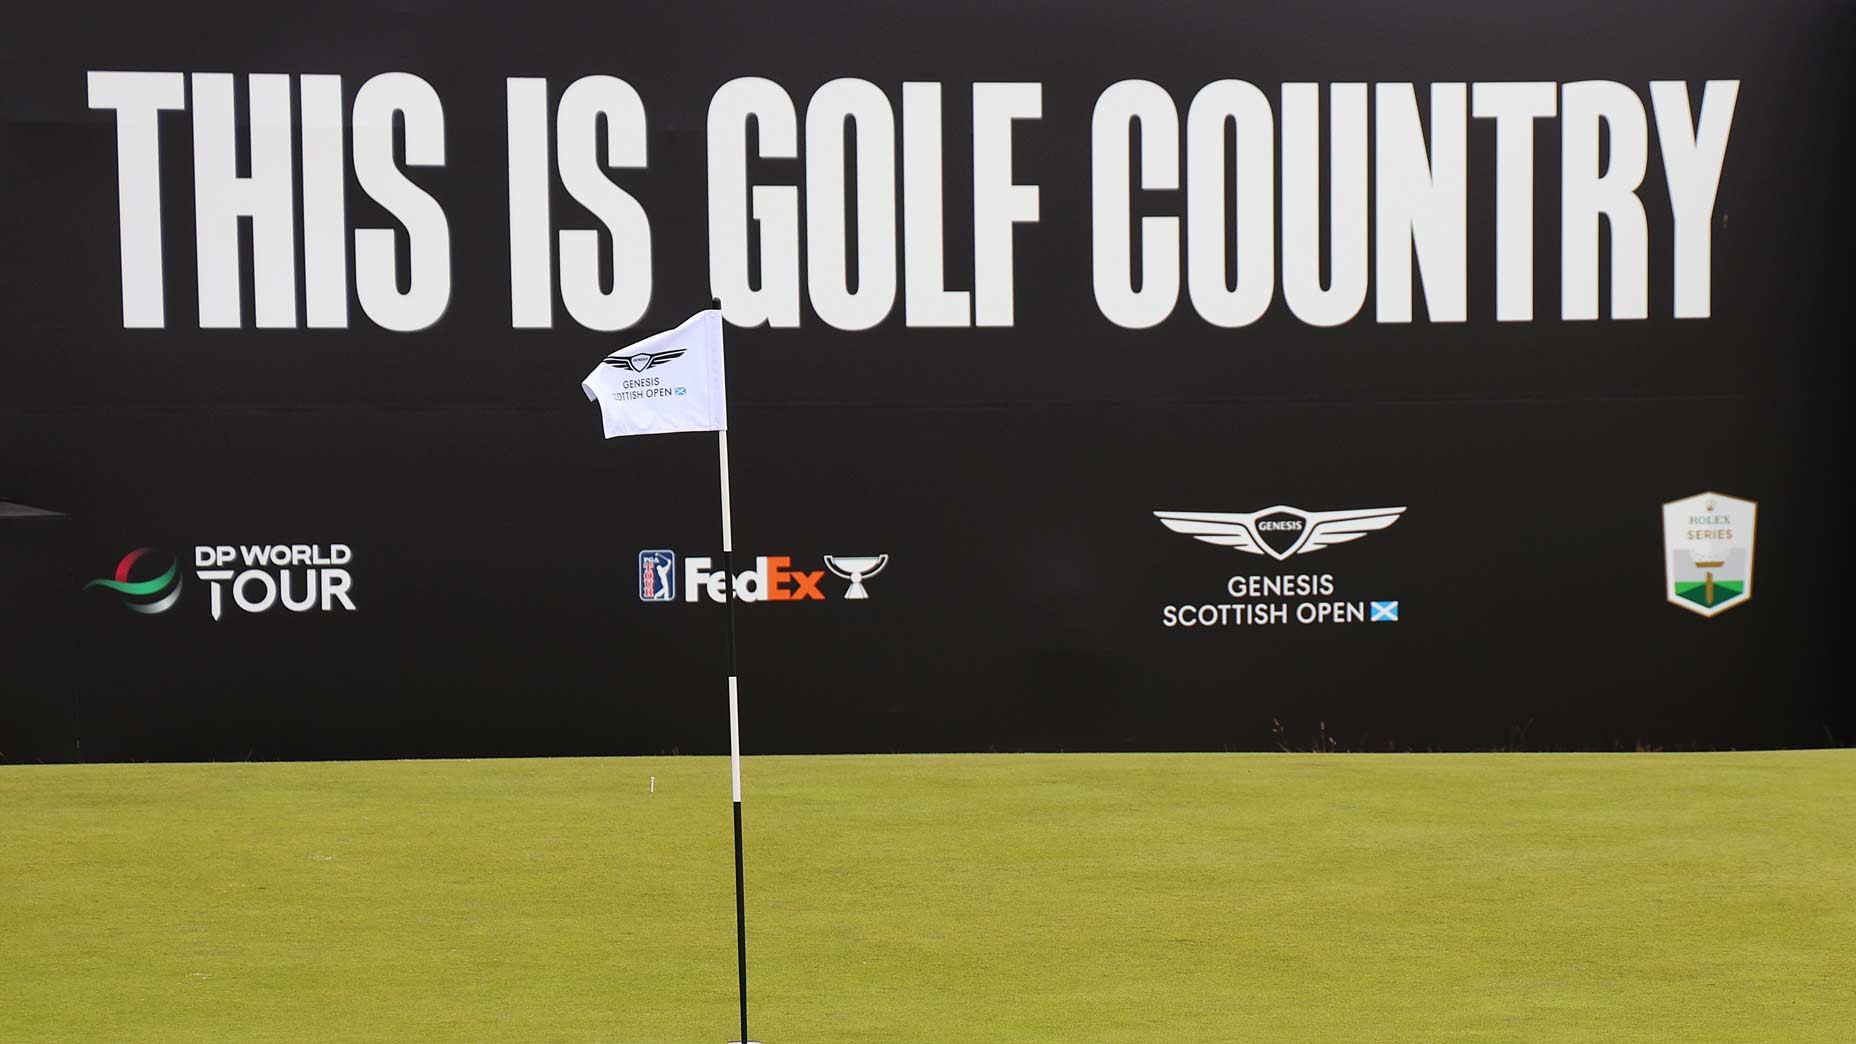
{"x": 970, "y": 899}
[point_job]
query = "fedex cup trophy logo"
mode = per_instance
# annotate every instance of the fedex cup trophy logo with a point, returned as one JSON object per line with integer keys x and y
{"x": 856, "y": 569}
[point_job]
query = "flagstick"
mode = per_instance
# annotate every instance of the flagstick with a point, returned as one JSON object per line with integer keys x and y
{"x": 709, "y": 415}
{"x": 734, "y": 736}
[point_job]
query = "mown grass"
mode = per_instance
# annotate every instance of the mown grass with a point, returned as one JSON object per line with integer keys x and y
{"x": 976, "y": 899}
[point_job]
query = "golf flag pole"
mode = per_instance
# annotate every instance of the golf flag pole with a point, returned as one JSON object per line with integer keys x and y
{"x": 670, "y": 382}
{"x": 734, "y": 722}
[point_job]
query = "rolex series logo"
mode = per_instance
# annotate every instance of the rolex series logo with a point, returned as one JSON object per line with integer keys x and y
{"x": 1708, "y": 552}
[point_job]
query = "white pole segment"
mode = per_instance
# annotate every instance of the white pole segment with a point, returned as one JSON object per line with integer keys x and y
{"x": 728, "y": 547}
{"x": 734, "y": 737}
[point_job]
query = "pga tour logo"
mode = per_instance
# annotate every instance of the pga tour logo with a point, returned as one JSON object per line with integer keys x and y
{"x": 657, "y": 576}
{"x": 773, "y": 578}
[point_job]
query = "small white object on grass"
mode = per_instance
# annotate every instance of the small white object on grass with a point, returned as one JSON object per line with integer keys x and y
{"x": 653, "y": 784}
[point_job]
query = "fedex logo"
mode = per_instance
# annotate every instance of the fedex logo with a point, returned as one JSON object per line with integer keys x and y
{"x": 772, "y": 580}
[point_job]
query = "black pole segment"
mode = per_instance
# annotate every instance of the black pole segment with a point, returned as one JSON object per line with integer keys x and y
{"x": 741, "y": 925}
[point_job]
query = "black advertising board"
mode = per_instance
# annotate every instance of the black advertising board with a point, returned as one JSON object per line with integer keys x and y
{"x": 1188, "y": 377}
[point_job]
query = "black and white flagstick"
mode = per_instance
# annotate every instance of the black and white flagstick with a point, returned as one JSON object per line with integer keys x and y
{"x": 734, "y": 724}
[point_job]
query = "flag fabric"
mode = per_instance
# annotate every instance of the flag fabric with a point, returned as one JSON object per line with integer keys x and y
{"x": 670, "y": 382}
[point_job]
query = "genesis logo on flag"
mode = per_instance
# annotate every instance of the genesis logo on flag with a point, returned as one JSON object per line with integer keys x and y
{"x": 639, "y": 362}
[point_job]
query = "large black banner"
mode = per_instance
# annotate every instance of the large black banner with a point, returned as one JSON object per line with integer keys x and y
{"x": 1101, "y": 377}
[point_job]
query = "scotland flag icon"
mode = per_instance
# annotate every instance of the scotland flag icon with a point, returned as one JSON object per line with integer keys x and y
{"x": 657, "y": 576}
{"x": 1385, "y": 612}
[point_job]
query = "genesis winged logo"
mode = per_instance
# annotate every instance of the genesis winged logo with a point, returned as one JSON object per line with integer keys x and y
{"x": 152, "y": 595}
{"x": 1279, "y": 531}
{"x": 639, "y": 362}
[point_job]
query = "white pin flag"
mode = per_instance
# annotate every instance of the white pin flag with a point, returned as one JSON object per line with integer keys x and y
{"x": 670, "y": 382}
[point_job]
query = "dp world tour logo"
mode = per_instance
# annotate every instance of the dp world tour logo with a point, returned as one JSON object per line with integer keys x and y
{"x": 153, "y": 594}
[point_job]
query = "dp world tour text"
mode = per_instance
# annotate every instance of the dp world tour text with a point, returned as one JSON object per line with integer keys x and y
{"x": 301, "y": 577}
